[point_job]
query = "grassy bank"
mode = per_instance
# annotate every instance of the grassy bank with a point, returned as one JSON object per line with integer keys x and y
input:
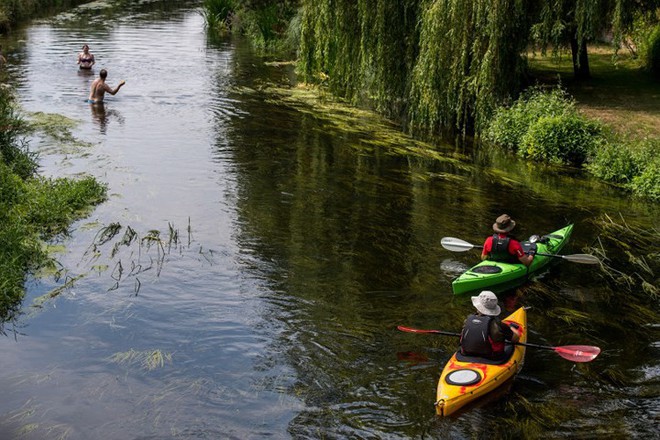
{"x": 32, "y": 208}
{"x": 610, "y": 125}
{"x": 620, "y": 94}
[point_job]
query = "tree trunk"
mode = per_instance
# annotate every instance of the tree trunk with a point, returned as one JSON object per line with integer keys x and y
{"x": 580, "y": 60}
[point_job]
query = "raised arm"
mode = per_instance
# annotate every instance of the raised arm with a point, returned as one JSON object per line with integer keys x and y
{"x": 116, "y": 89}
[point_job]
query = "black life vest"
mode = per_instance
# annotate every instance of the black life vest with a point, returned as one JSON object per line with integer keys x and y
{"x": 500, "y": 250}
{"x": 475, "y": 338}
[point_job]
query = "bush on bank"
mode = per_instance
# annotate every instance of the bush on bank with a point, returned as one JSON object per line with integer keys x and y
{"x": 546, "y": 126}
{"x": 32, "y": 208}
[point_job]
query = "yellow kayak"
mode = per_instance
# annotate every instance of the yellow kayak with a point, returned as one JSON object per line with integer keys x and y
{"x": 465, "y": 379}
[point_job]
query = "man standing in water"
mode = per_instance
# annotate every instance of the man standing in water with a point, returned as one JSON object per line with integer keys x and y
{"x": 99, "y": 87}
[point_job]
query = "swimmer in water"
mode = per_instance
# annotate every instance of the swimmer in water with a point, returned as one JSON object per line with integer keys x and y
{"x": 85, "y": 58}
{"x": 99, "y": 87}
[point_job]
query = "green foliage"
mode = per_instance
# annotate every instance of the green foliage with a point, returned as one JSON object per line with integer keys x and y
{"x": 13, "y": 151}
{"x": 54, "y": 203}
{"x": 469, "y": 61}
{"x": 653, "y": 52}
{"x": 565, "y": 139}
{"x": 632, "y": 165}
{"x": 268, "y": 24}
{"x": 31, "y": 208}
{"x": 647, "y": 184}
{"x": 216, "y": 14}
{"x": 510, "y": 124}
{"x": 545, "y": 126}
{"x": 615, "y": 163}
{"x": 14, "y": 11}
{"x": 363, "y": 50}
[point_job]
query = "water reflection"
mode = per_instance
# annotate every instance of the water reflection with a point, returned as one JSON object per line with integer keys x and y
{"x": 101, "y": 115}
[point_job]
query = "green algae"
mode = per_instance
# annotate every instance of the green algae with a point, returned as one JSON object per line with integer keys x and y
{"x": 59, "y": 129}
{"x": 375, "y": 133}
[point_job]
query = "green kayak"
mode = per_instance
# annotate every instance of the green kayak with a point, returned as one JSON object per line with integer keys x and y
{"x": 498, "y": 276}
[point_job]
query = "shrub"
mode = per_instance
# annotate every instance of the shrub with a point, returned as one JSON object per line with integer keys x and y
{"x": 647, "y": 184}
{"x": 567, "y": 139}
{"x": 13, "y": 150}
{"x": 614, "y": 162}
{"x": 509, "y": 125}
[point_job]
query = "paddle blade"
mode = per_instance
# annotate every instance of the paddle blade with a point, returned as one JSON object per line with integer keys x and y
{"x": 582, "y": 258}
{"x": 578, "y": 353}
{"x": 456, "y": 244}
{"x": 413, "y": 330}
{"x": 435, "y": 332}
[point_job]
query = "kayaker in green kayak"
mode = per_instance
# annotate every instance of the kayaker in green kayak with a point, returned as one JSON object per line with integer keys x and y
{"x": 502, "y": 247}
{"x": 483, "y": 334}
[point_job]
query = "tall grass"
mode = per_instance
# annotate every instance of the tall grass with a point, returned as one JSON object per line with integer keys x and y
{"x": 217, "y": 14}
{"x": 32, "y": 208}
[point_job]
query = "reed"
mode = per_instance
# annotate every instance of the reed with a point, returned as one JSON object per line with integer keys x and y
{"x": 217, "y": 14}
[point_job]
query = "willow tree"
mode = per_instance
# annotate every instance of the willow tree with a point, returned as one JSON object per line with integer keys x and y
{"x": 469, "y": 61}
{"x": 576, "y": 23}
{"x": 363, "y": 49}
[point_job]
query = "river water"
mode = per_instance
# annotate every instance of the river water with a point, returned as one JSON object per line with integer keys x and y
{"x": 247, "y": 274}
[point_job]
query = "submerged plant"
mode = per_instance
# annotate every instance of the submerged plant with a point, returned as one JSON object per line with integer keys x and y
{"x": 146, "y": 359}
{"x": 617, "y": 241}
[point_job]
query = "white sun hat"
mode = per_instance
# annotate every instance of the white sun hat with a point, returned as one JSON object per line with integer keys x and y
{"x": 486, "y": 303}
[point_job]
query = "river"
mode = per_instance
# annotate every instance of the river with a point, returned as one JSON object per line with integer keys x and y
{"x": 257, "y": 251}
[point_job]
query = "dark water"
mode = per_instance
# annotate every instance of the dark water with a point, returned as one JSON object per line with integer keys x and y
{"x": 277, "y": 247}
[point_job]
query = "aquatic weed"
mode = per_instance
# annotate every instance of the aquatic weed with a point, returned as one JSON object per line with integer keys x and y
{"x": 620, "y": 244}
{"x": 147, "y": 359}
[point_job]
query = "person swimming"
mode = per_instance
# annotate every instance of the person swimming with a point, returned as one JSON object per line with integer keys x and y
{"x": 86, "y": 58}
{"x": 99, "y": 87}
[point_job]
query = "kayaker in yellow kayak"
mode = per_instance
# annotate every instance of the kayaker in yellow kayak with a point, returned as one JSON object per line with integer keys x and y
{"x": 483, "y": 334}
{"x": 502, "y": 247}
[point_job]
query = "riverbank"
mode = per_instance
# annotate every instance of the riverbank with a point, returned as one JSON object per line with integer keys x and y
{"x": 32, "y": 208}
{"x": 620, "y": 94}
{"x": 622, "y": 99}
{"x": 14, "y": 12}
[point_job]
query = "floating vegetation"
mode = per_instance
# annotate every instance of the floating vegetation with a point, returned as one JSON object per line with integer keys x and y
{"x": 376, "y": 132}
{"x": 26, "y": 429}
{"x": 569, "y": 316}
{"x": 39, "y": 301}
{"x": 620, "y": 244}
{"x": 147, "y": 359}
{"x": 58, "y": 128}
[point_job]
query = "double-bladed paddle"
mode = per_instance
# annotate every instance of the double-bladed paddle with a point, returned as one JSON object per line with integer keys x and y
{"x": 575, "y": 353}
{"x": 458, "y": 245}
